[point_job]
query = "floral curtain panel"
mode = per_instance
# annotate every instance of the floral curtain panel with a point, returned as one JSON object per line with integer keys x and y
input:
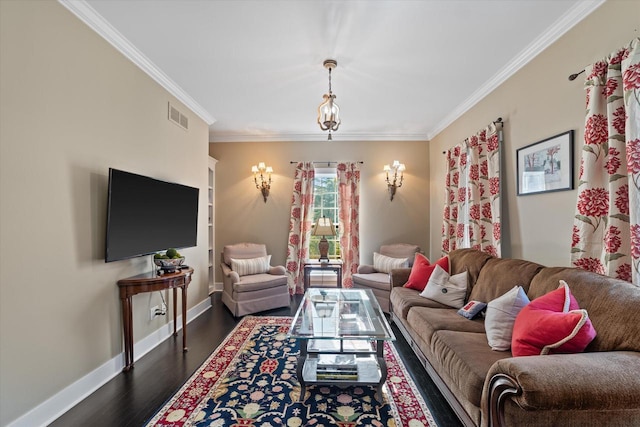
{"x": 606, "y": 230}
{"x": 472, "y": 212}
{"x": 349, "y": 213}
{"x": 300, "y": 225}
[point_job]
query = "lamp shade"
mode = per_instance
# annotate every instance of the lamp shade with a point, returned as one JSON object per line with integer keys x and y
{"x": 324, "y": 227}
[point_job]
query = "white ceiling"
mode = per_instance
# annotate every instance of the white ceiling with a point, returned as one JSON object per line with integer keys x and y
{"x": 406, "y": 68}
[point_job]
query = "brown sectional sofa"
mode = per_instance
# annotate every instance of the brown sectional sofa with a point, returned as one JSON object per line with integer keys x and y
{"x": 492, "y": 388}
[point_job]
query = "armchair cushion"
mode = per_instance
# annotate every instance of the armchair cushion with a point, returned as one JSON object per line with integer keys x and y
{"x": 248, "y": 266}
{"x": 366, "y": 269}
{"x": 384, "y": 264}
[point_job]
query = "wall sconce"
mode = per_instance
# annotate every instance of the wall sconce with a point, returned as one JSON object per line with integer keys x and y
{"x": 393, "y": 185}
{"x": 265, "y": 184}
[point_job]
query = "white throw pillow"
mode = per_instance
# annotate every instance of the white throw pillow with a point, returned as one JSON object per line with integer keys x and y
{"x": 247, "y": 266}
{"x": 501, "y": 315}
{"x": 384, "y": 264}
{"x": 447, "y": 290}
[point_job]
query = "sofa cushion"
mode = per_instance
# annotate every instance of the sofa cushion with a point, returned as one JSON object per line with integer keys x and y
{"x": 427, "y": 320}
{"x": 446, "y": 289}
{"x": 421, "y": 271}
{"x": 465, "y": 359}
{"x": 384, "y": 264}
{"x": 552, "y": 323}
{"x": 612, "y": 305}
{"x": 402, "y": 299}
{"x": 501, "y": 315}
{"x": 499, "y": 275}
{"x": 469, "y": 260}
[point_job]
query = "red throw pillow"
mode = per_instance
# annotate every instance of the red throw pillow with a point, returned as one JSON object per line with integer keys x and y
{"x": 421, "y": 271}
{"x": 552, "y": 323}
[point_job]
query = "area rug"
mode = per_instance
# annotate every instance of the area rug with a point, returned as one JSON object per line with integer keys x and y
{"x": 250, "y": 381}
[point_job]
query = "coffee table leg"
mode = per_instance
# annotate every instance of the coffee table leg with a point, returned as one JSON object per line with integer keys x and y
{"x": 301, "y": 360}
{"x": 383, "y": 369}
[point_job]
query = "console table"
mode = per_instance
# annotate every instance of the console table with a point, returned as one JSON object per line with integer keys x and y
{"x": 149, "y": 282}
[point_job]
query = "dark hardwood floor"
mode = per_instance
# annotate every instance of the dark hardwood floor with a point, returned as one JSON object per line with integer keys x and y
{"x": 133, "y": 397}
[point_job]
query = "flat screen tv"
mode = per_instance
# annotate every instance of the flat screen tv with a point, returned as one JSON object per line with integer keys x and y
{"x": 146, "y": 215}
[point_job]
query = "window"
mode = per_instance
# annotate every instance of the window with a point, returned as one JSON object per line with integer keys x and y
{"x": 325, "y": 203}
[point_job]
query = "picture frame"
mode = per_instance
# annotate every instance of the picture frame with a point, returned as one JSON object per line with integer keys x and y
{"x": 546, "y": 166}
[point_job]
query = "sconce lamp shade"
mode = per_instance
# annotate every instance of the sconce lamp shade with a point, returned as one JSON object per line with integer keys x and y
{"x": 324, "y": 227}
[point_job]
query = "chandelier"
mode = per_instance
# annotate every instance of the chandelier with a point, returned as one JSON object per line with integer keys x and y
{"x": 328, "y": 111}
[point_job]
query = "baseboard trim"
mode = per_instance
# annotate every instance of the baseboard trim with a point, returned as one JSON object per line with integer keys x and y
{"x": 52, "y": 408}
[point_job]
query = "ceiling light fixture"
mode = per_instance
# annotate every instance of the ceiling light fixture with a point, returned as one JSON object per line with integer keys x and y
{"x": 328, "y": 111}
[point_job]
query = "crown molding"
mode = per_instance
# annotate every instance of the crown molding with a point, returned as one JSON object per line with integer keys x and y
{"x": 215, "y": 137}
{"x": 97, "y": 23}
{"x": 572, "y": 17}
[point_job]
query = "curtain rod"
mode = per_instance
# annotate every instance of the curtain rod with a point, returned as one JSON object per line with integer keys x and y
{"x": 327, "y": 162}
{"x": 495, "y": 122}
{"x": 572, "y": 77}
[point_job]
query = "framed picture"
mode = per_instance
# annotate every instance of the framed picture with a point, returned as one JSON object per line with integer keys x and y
{"x": 546, "y": 165}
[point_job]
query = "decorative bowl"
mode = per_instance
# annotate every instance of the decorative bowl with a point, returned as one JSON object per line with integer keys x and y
{"x": 169, "y": 264}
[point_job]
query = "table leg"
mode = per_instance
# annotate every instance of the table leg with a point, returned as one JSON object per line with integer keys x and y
{"x": 127, "y": 329}
{"x": 339, "y": 271}
{"x": 175, "y": 312}
{"x": 383, "y": 369}
{"x": 301, "y": 360}
{"x": 184, "y": 318}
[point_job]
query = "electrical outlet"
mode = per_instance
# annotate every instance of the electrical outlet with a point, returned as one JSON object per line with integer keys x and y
{"x": 153, "y": 312}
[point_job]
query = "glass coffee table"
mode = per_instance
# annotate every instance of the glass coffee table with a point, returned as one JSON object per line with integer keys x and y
{"x": 341, "y": 334}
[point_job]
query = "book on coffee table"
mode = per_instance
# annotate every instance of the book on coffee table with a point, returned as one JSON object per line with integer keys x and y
{"x": 337, "y": 363}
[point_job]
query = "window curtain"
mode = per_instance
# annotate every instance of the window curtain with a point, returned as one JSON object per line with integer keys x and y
{"x": 349, "y": 213}
{"x": 300, "y": 225}
{"x": 472, "y": 212}
{"x": 606, "y": 229}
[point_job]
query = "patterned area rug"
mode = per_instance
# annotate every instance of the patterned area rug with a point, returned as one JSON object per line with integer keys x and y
{"x": 250, "y": 381}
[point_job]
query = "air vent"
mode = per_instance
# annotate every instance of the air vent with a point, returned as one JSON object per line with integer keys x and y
{"x": 178, "y": 118}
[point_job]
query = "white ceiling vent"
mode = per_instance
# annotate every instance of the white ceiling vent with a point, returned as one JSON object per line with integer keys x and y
{"x": 178, "y": 118}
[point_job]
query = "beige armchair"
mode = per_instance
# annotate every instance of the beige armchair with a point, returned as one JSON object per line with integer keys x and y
{"x": 250, "y": 283}
{"x": 377, "y": 276}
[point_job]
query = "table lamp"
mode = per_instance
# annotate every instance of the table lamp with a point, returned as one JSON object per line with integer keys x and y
{"x": 324, "y": 227}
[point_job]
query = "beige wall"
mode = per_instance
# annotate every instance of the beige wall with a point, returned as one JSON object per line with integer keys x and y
{"x": 242, "y": 215}
{"x": 536, "y": 103}
{"x": 71, "y": 107}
